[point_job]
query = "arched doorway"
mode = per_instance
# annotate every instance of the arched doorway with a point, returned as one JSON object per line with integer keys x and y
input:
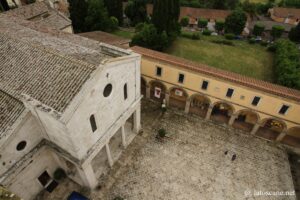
{"x": 157, "y": 91}
{"x": 199, "y": 105}
{"x": 293, "y": 137}
{"x": 222, "y": 112}
{"x": 178, "y": 98}
{"x": 143, "y": 87}
{"x": 245, "y": 120}
{"x": 270, "y": 129}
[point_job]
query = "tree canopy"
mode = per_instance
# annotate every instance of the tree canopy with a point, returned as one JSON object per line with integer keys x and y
{"x": 136, "y": 11}
{"x": 235, "y": 22}
{"x": 78, "y": 12}
{"x": 115, "y": 9}
{"x": 294, "y": 34}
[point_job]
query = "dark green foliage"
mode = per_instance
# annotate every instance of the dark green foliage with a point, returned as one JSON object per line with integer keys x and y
{"x": 193, "y": 36}
{"x": 97, "y": 16}
{"x": 287, "y": 64}
{"x": 225, "y": 42}
{"x": 206, "y": 32}
{"x": 235, "y": 22}
{"x": 162, "y": 133}
{"x": 150, "y": 37}
{"x": 59, "y": 174}
{"x": 136, "y": 11}
{"x": 219, "y": 25}
{"x": 252, "y": 41}
{"x": 294, "y": 34}
{"x": 165, "y": 17}
{"x": 138, "y": 27}
{"x": 184, "y": 21}
{"x": 290, "y": 3}
{"x": 277, "y": 31}
{"x": 264, "y": 43}
{"x": 258, "y": 29}
{"x": 202, "y": 23}
{"x": 229, "y": 36}
{"x": 115, "y": 9}
{"x": 78, "y": 12}
{"x": 114, "y": 23}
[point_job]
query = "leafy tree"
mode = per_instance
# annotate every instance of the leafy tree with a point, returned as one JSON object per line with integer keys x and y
{"x": 290, "y": 3}
{"x": 150, "y": 37}
{"x": 235, "y": 22}
{"x": 202, "y": 23}
{"x": 294, "y": 34}
{"x": 97, "y": 17}
{"x": 258, "y": 29}
{"x": 249, "y": 7}
{"x": 78, "y": 13}
{"x": 114, "y": 23}
{"x": 136, "y": 11}
{"x": 219, "y": 4}
{"x": 219, "y": 26}
{"x": 115, "y": 9}
{"x": 165, "y": 16}
{"x": 277, "y": 31}
{"x": 184, "y": 21}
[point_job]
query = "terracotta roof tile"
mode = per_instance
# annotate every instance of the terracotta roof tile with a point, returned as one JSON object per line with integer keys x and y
{"x": 221, "y": 74}
{"x": 293, "y": 13}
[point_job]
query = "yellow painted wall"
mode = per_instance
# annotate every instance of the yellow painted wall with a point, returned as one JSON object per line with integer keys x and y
{"x": 268, "y": 106}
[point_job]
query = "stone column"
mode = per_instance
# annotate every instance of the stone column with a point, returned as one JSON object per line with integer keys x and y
{"x": 123, "y": 136}
{"x": 137, "y": 119}
{"x": 255, "y": 128}
{"x": 209, "y": 111}
{"x": 87, "y": 175}
{"x": 187, "y": 106}
{"x": 281, "y": 136}
{"x": 108, "y": 153}
{"x": 167, "y": 98}
{"x": 232, "y": 119}
{"x": 148, "y": 91}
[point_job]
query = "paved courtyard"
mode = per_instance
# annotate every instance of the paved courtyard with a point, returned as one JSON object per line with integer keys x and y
{"x": 190, "y": 164}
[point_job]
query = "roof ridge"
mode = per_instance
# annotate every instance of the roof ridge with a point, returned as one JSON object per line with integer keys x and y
{"x": 51, "y": 51}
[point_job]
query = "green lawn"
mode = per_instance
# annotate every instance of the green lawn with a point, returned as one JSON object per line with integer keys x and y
{"x": 124, "y": 34}
{"x": 243, "y": 58}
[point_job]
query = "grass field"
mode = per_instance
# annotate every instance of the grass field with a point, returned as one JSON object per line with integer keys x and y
{"x": 243, "y": 58}
{"x": 124, "y": 34}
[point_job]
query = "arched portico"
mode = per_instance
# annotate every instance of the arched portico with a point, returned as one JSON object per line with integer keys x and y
{"x": 199, "y": 105}
{"x": 157, "y": 91}
{"x": 292, "y": 137}
{"x": 222, "y": 112}
{"x": 271, "y": 128}
{"x": 143, "y": 87}
{"x": 245, "y": 120}
{"x": 178, "y": 97}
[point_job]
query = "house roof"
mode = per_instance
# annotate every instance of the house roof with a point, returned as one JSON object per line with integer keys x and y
{"x": 293, "y": 13}
{"x": 256, "y": 84}
{"x": 48, "y": 65}
{"x": 42, "y": 14}
{"x": 108, "y": 38}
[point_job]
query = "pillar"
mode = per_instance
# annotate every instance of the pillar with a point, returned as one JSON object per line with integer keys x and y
{"x": 167, "y": 98}
{"x": 255, "y": 128}
{"x": 209, "y": 111}
{"x": 187, "y": 106}
{"x": 232, "y": 119}
{"x": 88, "y": 176}
{"x": 108, "y": 153}
{"x": 137, "y": 119}
{"x": 281, "y": 136}
{"x": 123, "y": 136}
{"x": 148, "y": 91}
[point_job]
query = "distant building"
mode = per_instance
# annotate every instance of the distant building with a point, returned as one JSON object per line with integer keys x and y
{"x": 42, "y": 14}
{"x": 65, "y": 102}
{"x": 285, "y": 15}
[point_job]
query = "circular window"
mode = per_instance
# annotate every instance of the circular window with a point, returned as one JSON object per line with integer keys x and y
{"x": 107, "y": 90}
{"x": 21, "y": 145}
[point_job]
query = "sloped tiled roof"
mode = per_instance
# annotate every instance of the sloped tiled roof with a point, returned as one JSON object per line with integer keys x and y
{"x": 293, "y": 13}
{"x": 256, "y": 84}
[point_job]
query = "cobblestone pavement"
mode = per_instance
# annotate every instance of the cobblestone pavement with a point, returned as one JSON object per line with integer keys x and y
{"x": 190, "y": 164}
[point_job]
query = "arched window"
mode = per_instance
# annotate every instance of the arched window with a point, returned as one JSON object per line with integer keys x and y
{"x": 125, "y": 91}
{"x": 93, "y": 123}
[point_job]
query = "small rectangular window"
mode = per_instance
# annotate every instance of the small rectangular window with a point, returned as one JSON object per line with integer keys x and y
{"x": 125, "y": 91}
{"x": 158, "y": 71}
{"x": 204, "y": 85}
{"x": 229, "y": 92}
{"x": 283, "y": 109}
{"x": 181, "y": 78}
{"x": 93, "y": 123}
{"x": 255, "y": 101}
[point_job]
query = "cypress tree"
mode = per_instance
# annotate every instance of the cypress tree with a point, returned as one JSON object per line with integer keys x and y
{"x": 78, "y": 13}
{"x": 115, "y": 9}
